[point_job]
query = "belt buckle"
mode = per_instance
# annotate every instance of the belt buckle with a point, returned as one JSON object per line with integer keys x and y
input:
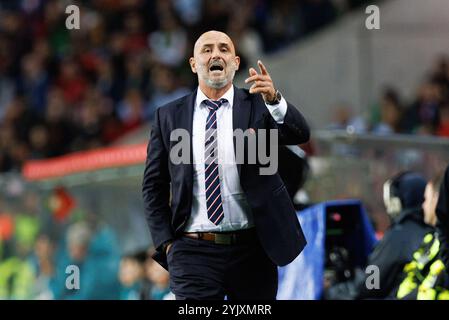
{"x": 223, "y": 238}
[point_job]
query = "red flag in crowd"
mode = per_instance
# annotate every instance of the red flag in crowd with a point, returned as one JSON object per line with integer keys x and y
{"x": 61, "y": 203}
{"x": 6, "y": 226}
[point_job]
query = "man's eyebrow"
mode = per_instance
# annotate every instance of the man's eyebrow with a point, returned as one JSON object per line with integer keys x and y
{"x": 221, "y": 44}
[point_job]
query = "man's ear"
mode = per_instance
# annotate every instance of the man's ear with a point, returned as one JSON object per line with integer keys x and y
{"x": 192, "y": 64}
{"x": 237, "y": 61}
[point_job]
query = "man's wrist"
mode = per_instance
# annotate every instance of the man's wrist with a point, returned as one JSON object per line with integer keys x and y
{"x": 276, "y": 99}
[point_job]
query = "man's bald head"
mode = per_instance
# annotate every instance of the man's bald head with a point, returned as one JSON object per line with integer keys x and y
{"x": 211, "y": 37}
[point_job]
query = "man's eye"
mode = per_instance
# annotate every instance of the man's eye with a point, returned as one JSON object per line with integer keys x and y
{"x": 206, "y": 50}
{"x": 224, "y": 49}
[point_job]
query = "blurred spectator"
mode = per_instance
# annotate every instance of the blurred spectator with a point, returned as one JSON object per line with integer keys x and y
{"x": 94, "y": 250}
{"x": 135, "y": 36}
{"x": 246, "y": 39}
{"x": 131, "y": 110}
{"x": 33, "y": 84}
{"x": 160, "y": 279}
{"x": 39, "y": 142}
{"x": 17, "y": 38}
{"x": 89, "y": 127}
{"x": 284, "y": 24}
{"x": 189, "y": 11}
{"x": 6, "y": 93}
{"x": 390, "y": 114}
{"x": 71, "y": 81}
{"x": 16, "y": 278}
{"x": 7, "y": 143}
{"x": 131, "y": 275}
{"x": 344, "y": 119}
{"x": 136, "y": 75}
{"x": 17, "y": 275}
{"x": 440, "y": 74}
{"x": 169, "y": 44}
{"x": 106, "y": 83}
{"x": 431, "y": 195}
{"x": 43, "y": 264}
{"x": 165, "y": 89}
{"x": 54, "y": 28}
{"x": 60, "y": 128}
{"x": 443, "y": 126}
{"x": 19, "y": 154}
{"x": 20, "y": 118}
{"x": 423, "y": 115}
{"x": 442, "y": 211}
{"x": 418, "y": 268}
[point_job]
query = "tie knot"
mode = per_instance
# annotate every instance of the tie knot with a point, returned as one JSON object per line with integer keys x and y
{"x": 214, "y": 105}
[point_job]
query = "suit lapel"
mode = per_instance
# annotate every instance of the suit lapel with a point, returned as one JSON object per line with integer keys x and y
{"x": 241, "y": 112}
{"x": 184, "y": 120}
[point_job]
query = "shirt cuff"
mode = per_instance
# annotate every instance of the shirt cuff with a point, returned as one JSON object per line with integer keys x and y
{"x": 278, "y": 111}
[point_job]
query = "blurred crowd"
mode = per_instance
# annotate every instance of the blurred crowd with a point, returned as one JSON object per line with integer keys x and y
{"x": 75, "y": 255}
{"x": 426, "y": 114}
{"x": 67, "y": 90}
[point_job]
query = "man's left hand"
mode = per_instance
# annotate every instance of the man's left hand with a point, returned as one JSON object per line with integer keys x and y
{"x": 262, "y": 83}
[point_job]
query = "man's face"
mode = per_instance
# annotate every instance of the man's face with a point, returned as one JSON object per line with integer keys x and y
{"x": 77, "y": 252}
{"x": 130, "y": 271}
{"x": 214, "y": 59}
{"x": 429, "y": 205}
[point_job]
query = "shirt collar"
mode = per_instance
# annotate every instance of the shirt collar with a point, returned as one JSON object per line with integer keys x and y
{"x": 229, "y": 95}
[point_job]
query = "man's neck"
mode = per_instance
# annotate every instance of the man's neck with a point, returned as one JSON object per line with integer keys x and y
{"x": 213, "y": 93}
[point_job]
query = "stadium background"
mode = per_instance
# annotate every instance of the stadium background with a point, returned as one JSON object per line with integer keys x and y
{"x": 76, "y": 109}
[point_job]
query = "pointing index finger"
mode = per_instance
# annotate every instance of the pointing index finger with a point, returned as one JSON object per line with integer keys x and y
{"x": 262, "y": 68}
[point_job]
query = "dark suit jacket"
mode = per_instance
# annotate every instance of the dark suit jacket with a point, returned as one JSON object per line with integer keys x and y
{"x": 442, "y": 211}
{"x": 274, "y": 215}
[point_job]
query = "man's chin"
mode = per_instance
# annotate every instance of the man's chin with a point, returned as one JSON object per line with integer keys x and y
{"x": 217, "y": 84}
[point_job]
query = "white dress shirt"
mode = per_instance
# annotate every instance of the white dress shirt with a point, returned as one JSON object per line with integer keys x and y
{"x": 237, "y": 213}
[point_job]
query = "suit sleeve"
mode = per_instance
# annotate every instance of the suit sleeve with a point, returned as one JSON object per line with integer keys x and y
{"x": 294, "y": 129}
{"x": 156, "y": 188}
{"x": 443, "y": 219}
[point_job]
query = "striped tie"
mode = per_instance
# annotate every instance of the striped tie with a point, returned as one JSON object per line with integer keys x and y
{"x": 213, "y": 194}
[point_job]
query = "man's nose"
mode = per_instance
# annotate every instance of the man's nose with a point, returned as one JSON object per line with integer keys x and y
{"x": 216, "y": 53}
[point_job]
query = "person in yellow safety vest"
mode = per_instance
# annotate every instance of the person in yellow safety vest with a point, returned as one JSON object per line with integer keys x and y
{"x": 17, "y": 275}
{"x": 435, "y": 285}
{"x": 425, "y": 277}
{"x": 16, "y": 279}
{"x": 418, "y": 267}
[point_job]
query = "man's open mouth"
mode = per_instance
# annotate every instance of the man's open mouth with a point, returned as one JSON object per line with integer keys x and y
{"x": 216, "y": 67}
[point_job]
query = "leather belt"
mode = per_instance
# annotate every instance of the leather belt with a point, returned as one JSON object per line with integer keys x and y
{"x": 225, "y": 238}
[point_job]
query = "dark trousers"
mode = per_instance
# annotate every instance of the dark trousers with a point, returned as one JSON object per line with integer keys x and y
{"x": 204, "y": 270}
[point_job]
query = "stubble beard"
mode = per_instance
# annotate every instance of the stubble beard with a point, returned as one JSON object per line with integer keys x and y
{"x": 219, "y": 83}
